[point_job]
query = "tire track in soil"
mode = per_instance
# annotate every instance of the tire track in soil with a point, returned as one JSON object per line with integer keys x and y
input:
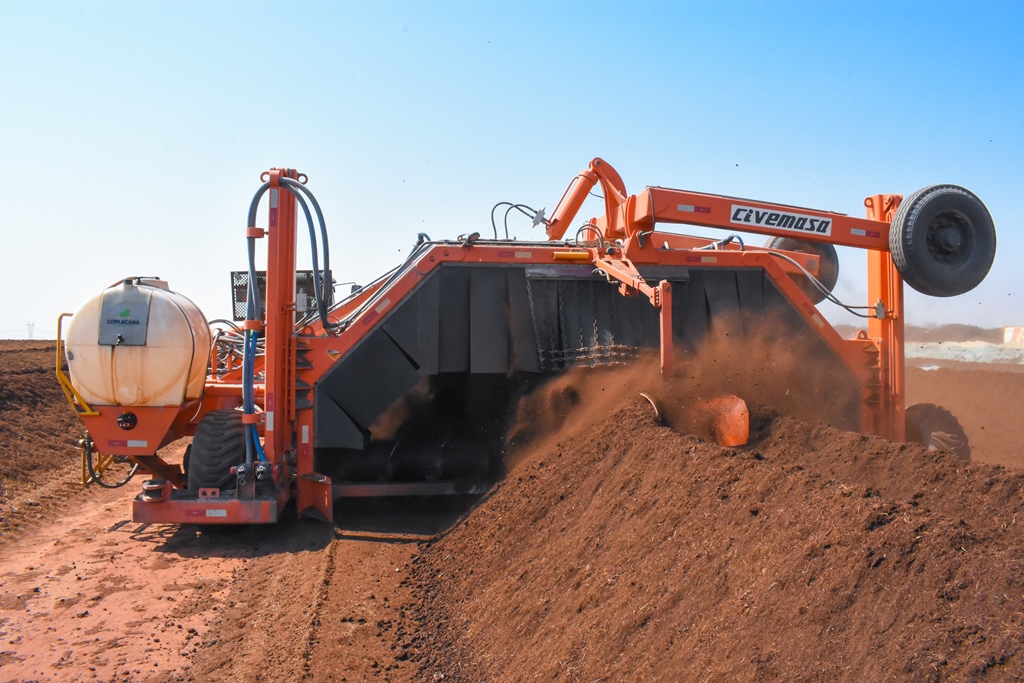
{"x": 322, "y": 603}
{"x": 364, "y": 630}
{"x": 85, "y": 599}
{"x": 321, "y": 600}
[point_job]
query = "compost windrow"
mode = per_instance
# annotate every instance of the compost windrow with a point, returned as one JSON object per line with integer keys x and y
{"x": 620, "y": 549}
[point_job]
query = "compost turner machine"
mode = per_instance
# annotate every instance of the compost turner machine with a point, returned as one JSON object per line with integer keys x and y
{"x": 406, "y": 385}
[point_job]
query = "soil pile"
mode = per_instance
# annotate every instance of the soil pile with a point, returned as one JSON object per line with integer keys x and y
{"x": 37, "y": 426}
{"x": 619, "y": 549}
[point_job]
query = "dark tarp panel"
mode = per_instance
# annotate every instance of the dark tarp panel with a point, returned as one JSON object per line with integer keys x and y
{"x": 690, "y": 312}
{"x": 523, "y": 345}
{"x": 414, "y": 326}
{"x": 723, "y": 299}
{"x": 488, "y": 320}
{"x": 369, "y": 378}
{"x": 453, "y": 352}
{"x": 332, "y": 428}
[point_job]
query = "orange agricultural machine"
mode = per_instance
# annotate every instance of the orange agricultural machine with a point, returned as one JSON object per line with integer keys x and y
{"x": 406, "y": 385}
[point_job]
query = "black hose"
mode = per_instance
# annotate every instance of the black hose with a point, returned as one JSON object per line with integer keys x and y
{"x": 320, "y": 284}
{"x": 99, "y": 480}
{"x": 253, "y": 312}
{"x": 253, "y": 294}
{"x": 319, "y": 216}
{"x": 521, "y": 208}
{"x": 318, "y": 292}
{"x": 493, "y": 224}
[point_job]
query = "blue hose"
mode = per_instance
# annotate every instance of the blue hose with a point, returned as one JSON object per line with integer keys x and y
{"x": 253, "y": 307}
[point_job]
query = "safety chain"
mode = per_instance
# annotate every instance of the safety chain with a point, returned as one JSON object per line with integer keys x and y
{"x": 593, "y": 354}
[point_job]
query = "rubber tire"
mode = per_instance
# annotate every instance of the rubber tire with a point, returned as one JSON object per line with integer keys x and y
{"x": 937, "y": 429}
{"x": 828, "y": 264}
{"x": 185, "y": 460}
{"x": 908, "y": 240}
{"x": 218, "y": 445}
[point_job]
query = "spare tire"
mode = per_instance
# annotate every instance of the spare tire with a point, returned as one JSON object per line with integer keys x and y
{"x": 218, "y": 445}
{"x": 943, "y": 240}
{"x": 937, "y": 429}
{"x": 828, "y": 264}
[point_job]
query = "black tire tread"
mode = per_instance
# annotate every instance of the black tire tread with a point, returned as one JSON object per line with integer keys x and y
{"x": 218, "y": 445}
{"x": 828, "y": 270}
{"x": 924, "y": 420}
{"x": 901, "y": 242}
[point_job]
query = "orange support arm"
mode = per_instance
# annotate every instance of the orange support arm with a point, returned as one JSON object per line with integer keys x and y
{"x": 630, "y": 283}
{"x": 658, "y": 204}
{"x": 611, "y": 184}
{"x": 885, "y": 285}
{"x": 629, "y": 215}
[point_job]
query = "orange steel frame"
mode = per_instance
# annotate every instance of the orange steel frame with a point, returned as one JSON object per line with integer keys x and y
{"x": 296, "y": 358}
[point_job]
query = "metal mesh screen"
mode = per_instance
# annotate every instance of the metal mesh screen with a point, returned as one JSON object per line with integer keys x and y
{"x": 305, "y": 298}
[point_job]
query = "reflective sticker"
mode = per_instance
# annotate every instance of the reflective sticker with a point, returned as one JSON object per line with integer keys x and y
{"x": 685, "y": 207}
{"x": 382, "y": 305}
{"x": 709, "y": 259}
{"x": 523, "y": 254}
{"x": 858, "y": 232}
{"x": 137, "y": 444}
{"x": 270, "y": 421}
{"x": 217, "y": 513}
{"x": 818, "y": 319}
{"x": 305, "y": 433}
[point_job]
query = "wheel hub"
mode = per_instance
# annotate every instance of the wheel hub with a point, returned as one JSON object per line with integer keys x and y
{"x": 948, "y": 239}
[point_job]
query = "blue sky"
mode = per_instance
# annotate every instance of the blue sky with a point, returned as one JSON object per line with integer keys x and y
{"x": 132, "y": 134}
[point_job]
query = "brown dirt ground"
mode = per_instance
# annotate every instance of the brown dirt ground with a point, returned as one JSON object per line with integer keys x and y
{"x": 38, "y": 431}
{"x": 988, "y": 400}
{"x": 616, "y": 550}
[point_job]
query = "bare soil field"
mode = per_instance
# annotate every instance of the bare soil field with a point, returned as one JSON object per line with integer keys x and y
{"x": 988, "y": 400}
{"x": 616, "y": 549}
{"x": 37, "y": 435}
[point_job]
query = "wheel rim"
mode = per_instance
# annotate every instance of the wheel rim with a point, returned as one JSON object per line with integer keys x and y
{"x": 948, "y": 239}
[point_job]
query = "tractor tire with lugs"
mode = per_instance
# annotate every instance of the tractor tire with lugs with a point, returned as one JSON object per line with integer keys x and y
{"x": 937, "y": 429}
{"x": 218, "y": 445}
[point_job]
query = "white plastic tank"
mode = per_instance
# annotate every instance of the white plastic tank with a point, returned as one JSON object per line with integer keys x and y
{"x": 138, "y": 344}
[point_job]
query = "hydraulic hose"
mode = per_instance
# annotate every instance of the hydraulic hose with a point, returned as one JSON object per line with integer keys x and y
{"x": 323, "y": 225}
{"x": 319, "y": 276}
{"x": 250, "y": 337}
{"x": 253, "y": 447}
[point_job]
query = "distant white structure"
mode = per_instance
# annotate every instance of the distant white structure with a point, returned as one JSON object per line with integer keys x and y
{"x": 31, "y": 329}
{"x": 1013, "y": 336}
